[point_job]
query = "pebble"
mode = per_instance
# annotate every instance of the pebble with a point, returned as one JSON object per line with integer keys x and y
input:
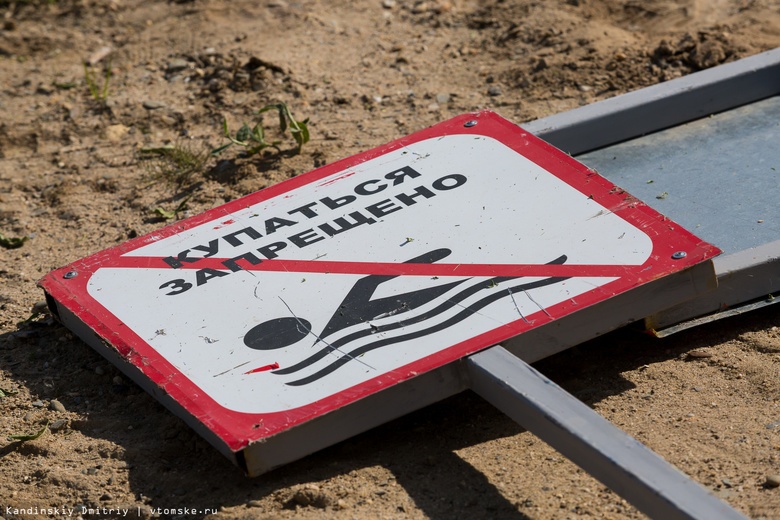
{"x": 388, "y": 4}
{"x": 420, "y": 8}
{"x": 699, "y": 354}
{"x": 540, "y": 65}
{"x": 177, "y": 65}
{"x": 494, "y": 90}
{"x": 443, "y": 98}
{"x": 772, "y": 481}
{"x": 115, "y": 133}
{"x": 58, "y": 425}
{"x": 106, "y": 496}
{"x": 118, "y": 380}
{"x": 153, "y": 105}
{"x": 254, "y": 503}
{"x": 37, "y": 404}
{"x": 99, "y": 370}
{"x": 56, "y": 406}
{"x": 97, "y": 56}
{"x": 40, "y": 307}
{"x": 29, "y": 416}
{"x": 170, "y": 121}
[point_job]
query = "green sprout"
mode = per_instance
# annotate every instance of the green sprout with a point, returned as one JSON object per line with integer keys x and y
{"x": 167, "y": 215}
{"x": 12, "y": 243}
{"x": 175, "y": 164}
{"x": 64, "y": 85}
{"x": 252, "y": 139}
{"x": 99, "y": 94}
{"x": 7, "y": 393}
{"x": 298, "y": 129}
{"x": 29, "y": 436}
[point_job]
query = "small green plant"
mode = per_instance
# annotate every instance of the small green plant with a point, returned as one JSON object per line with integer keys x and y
{"x": 175, "y": 164}
{"x": 12, "y": 243}
{"x": 99, "y": 94}
{"x": 167, "y": 215}
{"x": 298, "y": 129}
{"x": 252, "y": 139}
{"x": 29, "y": 436}
{"x": 64, "y": 85}
{"x": 31, "y": 318}
{"x": 6, "y": 393}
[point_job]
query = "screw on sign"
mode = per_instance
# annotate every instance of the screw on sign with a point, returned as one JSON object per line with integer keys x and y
{"x": 314, "y": 309}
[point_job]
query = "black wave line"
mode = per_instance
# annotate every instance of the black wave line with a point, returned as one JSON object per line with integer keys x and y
{"x": 443, "y": 307}
{"x": 468, "y": 311}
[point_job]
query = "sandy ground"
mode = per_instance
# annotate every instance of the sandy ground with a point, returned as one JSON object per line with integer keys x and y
{"x": 73, "y": 180}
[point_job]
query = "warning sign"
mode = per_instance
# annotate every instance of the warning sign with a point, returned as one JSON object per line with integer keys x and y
{"x": 311, "y": 294}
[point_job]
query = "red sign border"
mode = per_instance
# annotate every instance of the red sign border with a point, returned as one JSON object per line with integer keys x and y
{"x": 237, "y": 429}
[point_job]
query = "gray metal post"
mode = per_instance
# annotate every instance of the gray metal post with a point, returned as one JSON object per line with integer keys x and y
{"x": 627, "y": 466}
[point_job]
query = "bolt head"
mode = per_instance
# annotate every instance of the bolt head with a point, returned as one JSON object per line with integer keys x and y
{"x": 70, "y": 274}
{"x": 469, "y": 124}
{"x": 677, "y": 255}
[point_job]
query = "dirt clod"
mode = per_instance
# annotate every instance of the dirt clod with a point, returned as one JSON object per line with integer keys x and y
{"x": 311, "y": 495}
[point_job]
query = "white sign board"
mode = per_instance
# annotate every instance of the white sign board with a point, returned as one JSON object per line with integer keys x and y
{"x": 304, "y": 297}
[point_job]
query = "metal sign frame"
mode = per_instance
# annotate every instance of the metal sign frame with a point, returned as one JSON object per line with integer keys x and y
{"x": 745, "y": 278}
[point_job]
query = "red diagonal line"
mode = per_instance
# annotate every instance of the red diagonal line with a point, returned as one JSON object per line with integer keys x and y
{"x": 385, "y": 268}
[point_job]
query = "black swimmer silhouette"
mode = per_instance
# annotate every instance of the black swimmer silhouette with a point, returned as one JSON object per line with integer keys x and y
{"x": 358, "y": 307}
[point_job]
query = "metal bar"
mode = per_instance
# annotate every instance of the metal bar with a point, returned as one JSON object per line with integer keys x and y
{"x": 742, "y": 277}
{"x": 627, "y": 466}
{"x": 660, "y": 106}
{"x": 709, "y": 318}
